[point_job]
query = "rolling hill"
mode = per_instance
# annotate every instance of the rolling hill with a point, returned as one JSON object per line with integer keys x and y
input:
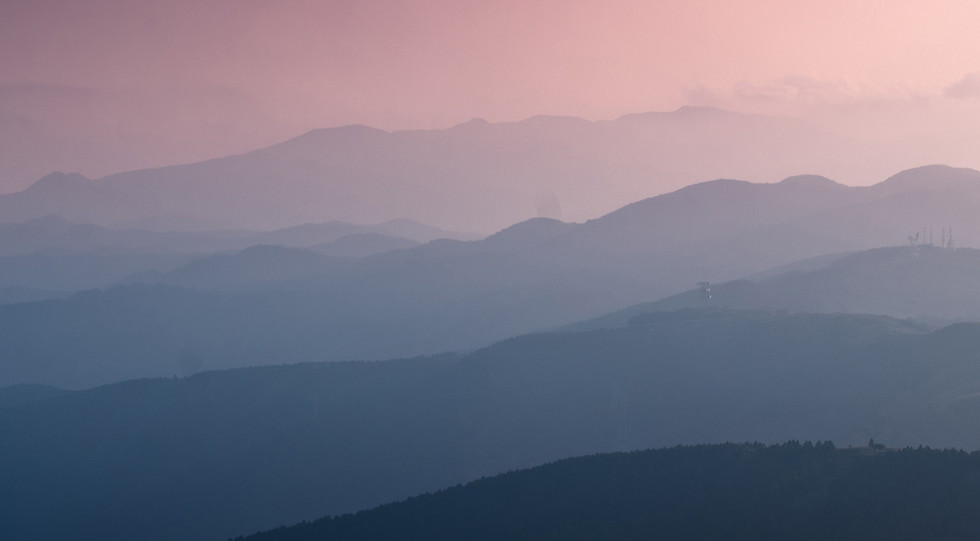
{"x": 931, "y": 284}
{"x": 748, "y": 491}
{"x": 271, "y": 305}
{"x": 51, "y": 257}
{"x": 276, "y": 445}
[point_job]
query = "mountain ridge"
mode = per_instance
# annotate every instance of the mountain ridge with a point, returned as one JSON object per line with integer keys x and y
{"x": 493, "y": 172}
{"x": 269, "y": 445}
{"x": 805, "y": 491}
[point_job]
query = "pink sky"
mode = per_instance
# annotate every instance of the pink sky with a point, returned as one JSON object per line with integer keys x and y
{"x": 275, "y": 68}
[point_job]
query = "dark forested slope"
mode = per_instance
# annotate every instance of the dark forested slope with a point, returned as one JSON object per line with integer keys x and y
{"x": 228, "y": 453}
{"x": 707, "y": 492}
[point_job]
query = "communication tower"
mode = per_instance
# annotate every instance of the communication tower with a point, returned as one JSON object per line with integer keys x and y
{"x": 705, "y": 293}
{"x": 914, "y": 244}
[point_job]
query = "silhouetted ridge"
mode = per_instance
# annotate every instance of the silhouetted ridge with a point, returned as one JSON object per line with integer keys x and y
{"x": 686, "y": 111}
{"x": 533, "y": 230}
{"x": 50, "y": 221}
{"x": 273, "y": 445}
{"x": 932, "y": 177}
{"x": 933, "y": 285}
{"x": 719, "y": 189}
{"x": 808, "y": 181}
{"x": 18, "y": 395}
{"x": 357, "y": 131}
{"x": 342, "y": 142}
{"x": 58, "y": 181}
{"x": 712, "y": 492}
{"x": 555, "y": 121}
{"x": 473, "y": 122}
{"x": 363, "y": 244}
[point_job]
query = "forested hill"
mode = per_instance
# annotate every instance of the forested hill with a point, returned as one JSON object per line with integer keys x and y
{"x": 234, "y": 452}
{"x": 706, "y": 492}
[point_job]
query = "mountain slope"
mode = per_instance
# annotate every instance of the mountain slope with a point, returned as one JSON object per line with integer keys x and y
{"x": 279, "y": 444}
{"x": 492, "y": 175}
{"x": 790, "y": 491}
{"x": 456, "y": 296}
{"x": 931, "y": 284}
{"x": 56, "y": 257}
{"x": 53, "y": 233}
{"x": 341, "y": 310}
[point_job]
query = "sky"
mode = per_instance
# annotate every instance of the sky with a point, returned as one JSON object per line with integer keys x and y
{"x": 202, "y": 78}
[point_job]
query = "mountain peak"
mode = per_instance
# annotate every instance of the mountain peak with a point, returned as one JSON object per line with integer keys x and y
{"x": 533, "y": 229}
{"x": 809, "y": 181}
{"x": 554, "y": 121}
{"x": 932, "y": 176}
{"x": 703, "y": 110}
{"x": 475, "y": 121}
{"x": 49, "y": 220}
{"x": 685, "y": 112}
{"x": 57, "y": 180}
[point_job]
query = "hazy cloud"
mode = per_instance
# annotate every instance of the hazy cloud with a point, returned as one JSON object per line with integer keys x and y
{"x": 795, "y": 93}
{"x": 965, "y": 88}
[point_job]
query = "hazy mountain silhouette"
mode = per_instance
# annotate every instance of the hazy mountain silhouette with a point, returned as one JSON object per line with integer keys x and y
{"x": 454, "y": 296}
{"x": 53, "y": 233}
{"x": 48, "y": 127}
{"x": 257, "y": 264}
{"x": 362, "y": 245}
{"x": 726, "y": 229}
{"x": 16, "y": 294}
{"x": 227, "y": 453}
{"x": 932, "y": 284}
{"x": 17, "y": 395}
{"x": 51, "y": 256}
{"x": 748, "y": 491}
{"x": 491, "y": 174}
{"x": 347, "y": 309}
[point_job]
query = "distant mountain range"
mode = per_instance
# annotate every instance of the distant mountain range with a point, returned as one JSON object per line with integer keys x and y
{"x": 227, "y": 453}
{"x": 269, "y": 305}
{"x": 163, "y": 331}
{"x": 50, "y": 257}
{"x": 55, "y": 234}
{"x": 477, "y": 176}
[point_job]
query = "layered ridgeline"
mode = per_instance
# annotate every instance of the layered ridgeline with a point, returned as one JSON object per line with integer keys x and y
{"x": 227, "y": 453}
{"x": 928, "y": 283}
{"x": 477, "y": 176}
{"x": 790, "y": 491}
{"x": 53, "y": 233}
{"x": 271, "y": 305}
{"x": 50, "y": 256}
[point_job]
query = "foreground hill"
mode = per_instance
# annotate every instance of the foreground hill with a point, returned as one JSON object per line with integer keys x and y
{"x": 750, "y": 491}
{"x": 267, "y": 446}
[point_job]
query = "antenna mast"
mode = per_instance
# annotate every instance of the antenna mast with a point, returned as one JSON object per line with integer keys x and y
{"x": 914, "y": 244}
{"x": 705, "y": 290}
